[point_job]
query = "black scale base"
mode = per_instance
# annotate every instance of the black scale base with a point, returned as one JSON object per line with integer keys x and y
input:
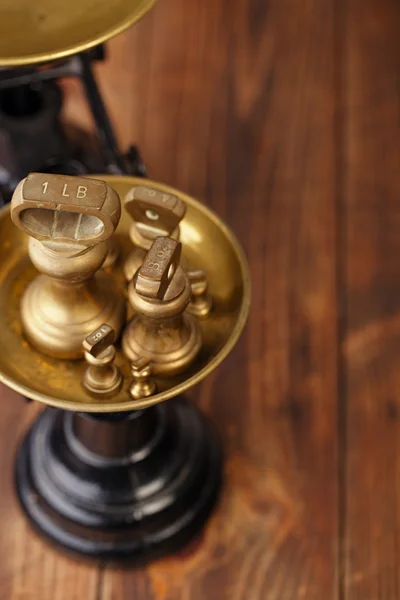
{"x": 129, "y": 486}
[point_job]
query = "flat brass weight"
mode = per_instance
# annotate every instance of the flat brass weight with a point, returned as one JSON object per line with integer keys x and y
{"x": 207, "y": 244}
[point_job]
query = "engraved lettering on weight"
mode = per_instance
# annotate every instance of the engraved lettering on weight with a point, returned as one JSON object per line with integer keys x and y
{"x": 103, "y": 331}
{"x": 162, "y": 252}
{"x": 44, "y": 186}
{"x": 81, "y": 192}
{"x": 154, "y": 266}
{"x": 99, "y": 334}
{"x": 65, "y": 190}
{"x": 99, "y": 340}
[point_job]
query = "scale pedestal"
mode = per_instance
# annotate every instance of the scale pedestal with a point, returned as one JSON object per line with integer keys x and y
{"x": 120, "y": 487}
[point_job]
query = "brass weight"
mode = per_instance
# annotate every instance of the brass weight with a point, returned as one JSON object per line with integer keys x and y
{"x": 154, "y": 214}
{"x": 160, "y": 331}
{"x": 44, "y": 30}
{"x": 69, "y": 221}
{"x": 102, "y": 379}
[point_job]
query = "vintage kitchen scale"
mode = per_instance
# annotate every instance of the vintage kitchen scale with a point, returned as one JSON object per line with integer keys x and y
{"x": 117, "y": 294}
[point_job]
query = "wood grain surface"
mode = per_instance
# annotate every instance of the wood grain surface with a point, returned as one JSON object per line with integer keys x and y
{"x": 284, "y": 117}
{"x": 371, "y": 250}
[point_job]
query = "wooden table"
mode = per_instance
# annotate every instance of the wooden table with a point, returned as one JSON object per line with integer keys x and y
{"x": 284, "y": 117}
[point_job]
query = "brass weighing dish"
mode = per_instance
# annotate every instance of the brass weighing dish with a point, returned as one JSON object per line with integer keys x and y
{"x": 39, "y": 31}
{"x": 207, "y": 243}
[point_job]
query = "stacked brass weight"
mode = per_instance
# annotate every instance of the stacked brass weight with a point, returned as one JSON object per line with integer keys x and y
{"x": 69, "y": 221}
{"x": 161, "y": 332}
{"x": 154, "y": 213}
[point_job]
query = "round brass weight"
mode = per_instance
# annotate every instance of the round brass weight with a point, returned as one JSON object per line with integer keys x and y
{"x": 41, "y": 31}
{"x": 207, "y": 244}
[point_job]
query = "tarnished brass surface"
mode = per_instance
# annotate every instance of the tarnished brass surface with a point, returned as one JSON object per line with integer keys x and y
{"x": 154, "y": 214}
{"x": 102, "y": 378}
{"x": 99, "y": 340}
{"x": 160, "y": 331}
{"x": 157, "y": 272}
{"x": 143, "y": 384}
{"x": 38, "y": 31}
{"x": 207, "y": 244}
{"x": 69, "y": 221}
{"x": 61, "y": 208}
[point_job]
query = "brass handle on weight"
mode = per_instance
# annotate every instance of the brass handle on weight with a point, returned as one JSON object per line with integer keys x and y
{"x": 101, "y": 378}
{"x": 154, "y": 213}
{"x": 60, "y": 208}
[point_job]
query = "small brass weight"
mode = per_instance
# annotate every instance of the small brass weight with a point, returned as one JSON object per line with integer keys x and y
{"x": 119, "y": 467}
{"x": 101, "y": 378}
{"x": 154, "y": 214}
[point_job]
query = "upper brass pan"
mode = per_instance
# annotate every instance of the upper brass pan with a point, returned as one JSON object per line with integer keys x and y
{"x": 38, "y": 31}
{"x": 207, "y": 243}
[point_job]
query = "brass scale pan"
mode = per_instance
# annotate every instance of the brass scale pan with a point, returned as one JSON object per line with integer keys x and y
{"x": 207, "y": 243}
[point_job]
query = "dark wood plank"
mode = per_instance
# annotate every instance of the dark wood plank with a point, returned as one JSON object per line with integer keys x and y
{"x": 29, "y": 569}
{"x": 372, "y": 274}
{"x": 233, "y": 102}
